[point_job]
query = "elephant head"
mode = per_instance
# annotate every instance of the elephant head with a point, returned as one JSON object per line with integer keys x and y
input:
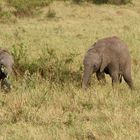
{"x": 92, "y": 63}
{"x": 4, "y": 76}
{"x": 6, "y": 68}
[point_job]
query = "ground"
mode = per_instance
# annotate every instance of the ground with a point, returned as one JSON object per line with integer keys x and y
{"x": 41, "y": 109}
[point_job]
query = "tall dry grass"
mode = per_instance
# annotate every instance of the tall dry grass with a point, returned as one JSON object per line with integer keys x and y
{"x": 47, "y": 101}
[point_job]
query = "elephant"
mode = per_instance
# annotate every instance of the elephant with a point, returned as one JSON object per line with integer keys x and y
{"x": 6, "y": 68}
{"x": 111, "y": 56}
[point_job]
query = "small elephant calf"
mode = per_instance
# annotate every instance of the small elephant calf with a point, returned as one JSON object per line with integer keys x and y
{"x": 6, "y": 68}
{"x": 108, "y": 56}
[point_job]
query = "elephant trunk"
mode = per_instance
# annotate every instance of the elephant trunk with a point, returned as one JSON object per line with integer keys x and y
{"x": 87, "y": 73}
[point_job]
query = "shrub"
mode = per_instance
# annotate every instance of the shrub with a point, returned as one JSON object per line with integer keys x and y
{"x": 56, "y": 69}
{"x": 6, "y": 13}
{"x": 49, "y": 66}
{"x": 100, "y": 1}
{"x": 119, "y": 1}
{"x": 27, "y": 7}
{"x": 5, "y": 16}
{"x": 78, "y": 1}
{"x": 51, "y": 13}
{"x": 19, "y": 52}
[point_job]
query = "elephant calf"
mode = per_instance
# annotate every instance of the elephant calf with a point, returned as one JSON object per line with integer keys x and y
{"x": 108, "y": 56}
{"x": 6, "y": 67}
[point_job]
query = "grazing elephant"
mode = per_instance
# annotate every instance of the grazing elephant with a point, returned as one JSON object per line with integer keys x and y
{"x": 108, "y": 56}
{"x": 6, "y": 68}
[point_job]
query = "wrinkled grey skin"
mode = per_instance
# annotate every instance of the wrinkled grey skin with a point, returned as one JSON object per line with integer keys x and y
{"x": 108, "y": 56}
{"x": 6, "y": 66}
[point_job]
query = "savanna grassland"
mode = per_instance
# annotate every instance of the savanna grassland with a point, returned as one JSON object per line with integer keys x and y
{"x": 47, "y": 102}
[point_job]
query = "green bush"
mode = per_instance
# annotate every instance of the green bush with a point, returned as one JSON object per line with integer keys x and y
{"x": 99, "y": 1}
{"x": 51, "y": 13}
{"x": 119, "y": 1}
{"x": 6, "y": 15}
{"x": 19, "y": 51}
{"x": 27, "y": 7}
{"x": 78, "y": 1}
{"x": 49, "y": 66}
{"x": 59, "y": 70}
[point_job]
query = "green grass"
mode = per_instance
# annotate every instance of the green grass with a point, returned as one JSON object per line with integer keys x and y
{"x": 55, "y": 107}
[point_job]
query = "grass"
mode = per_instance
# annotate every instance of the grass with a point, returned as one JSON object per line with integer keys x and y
{"x": 56, "y": 109}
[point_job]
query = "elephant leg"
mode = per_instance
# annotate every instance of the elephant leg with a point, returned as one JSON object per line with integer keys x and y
{"x": 128, "y": 79}
{"x": 88, "y": 70}
{"x": 115, "y": 78}
{"x": 114, "y": 73}
{"x": 101, "y": 76}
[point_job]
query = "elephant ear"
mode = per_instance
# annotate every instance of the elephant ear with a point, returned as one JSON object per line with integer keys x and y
{"x": 104, "y": 62}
